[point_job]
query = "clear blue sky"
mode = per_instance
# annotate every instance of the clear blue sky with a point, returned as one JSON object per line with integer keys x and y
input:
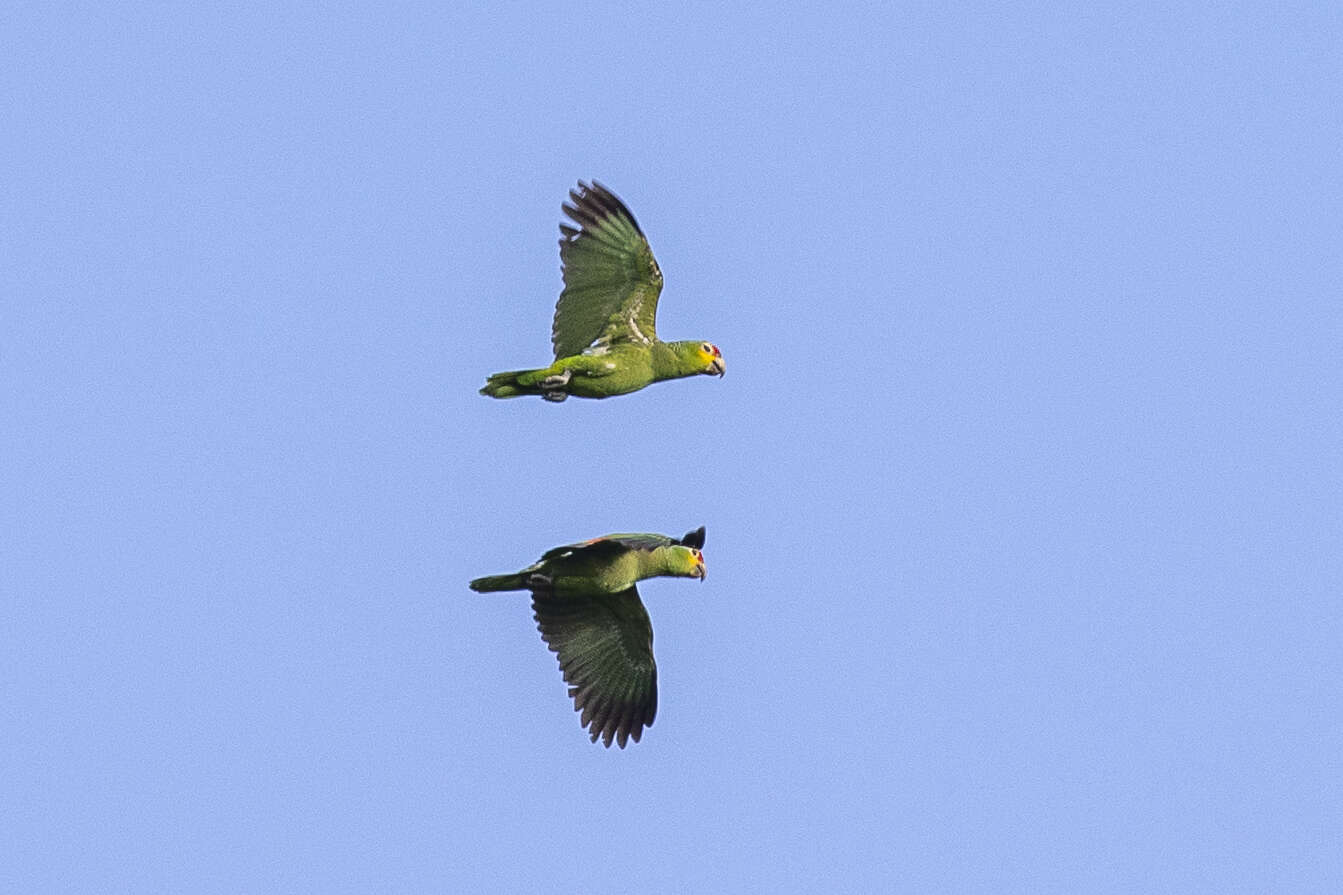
{"x": 1024, "y": 488}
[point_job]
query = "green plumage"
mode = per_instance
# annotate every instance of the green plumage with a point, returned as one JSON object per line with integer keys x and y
{"x": 604, "y": 331}
{"x": 589, "y": 613}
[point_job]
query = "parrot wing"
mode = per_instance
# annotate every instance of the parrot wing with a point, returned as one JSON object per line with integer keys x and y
{"x": 604, "y": 643}
{"x": 693, "y": 539}
{"x": 611, "y": 280}
{"x": 613, "y": 545}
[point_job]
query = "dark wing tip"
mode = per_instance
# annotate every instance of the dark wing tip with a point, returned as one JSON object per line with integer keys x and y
{"x": 693, "y": 539}
{"x": 593, "y": 203}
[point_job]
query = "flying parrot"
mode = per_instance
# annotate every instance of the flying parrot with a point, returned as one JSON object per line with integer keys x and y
{"x": 604, "y": 335}
{"x": 589, "y": 613}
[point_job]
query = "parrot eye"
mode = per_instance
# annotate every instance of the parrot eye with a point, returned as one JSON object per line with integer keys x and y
{"x": 707, "y": 348}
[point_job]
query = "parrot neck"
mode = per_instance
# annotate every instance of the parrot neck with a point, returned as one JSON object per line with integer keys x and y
{"x": 672, "y": 360}
{"x": 664, "y": 561}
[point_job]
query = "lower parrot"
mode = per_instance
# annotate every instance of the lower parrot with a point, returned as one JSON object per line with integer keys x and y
{"x": 588, "y": 611}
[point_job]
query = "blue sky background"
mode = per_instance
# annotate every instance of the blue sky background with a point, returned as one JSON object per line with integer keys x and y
{"x": 1024, "y": 489}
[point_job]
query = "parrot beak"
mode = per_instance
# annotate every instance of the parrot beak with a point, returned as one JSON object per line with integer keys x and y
{"x": 718, "y": 367}
{"x": 700, "y": 572}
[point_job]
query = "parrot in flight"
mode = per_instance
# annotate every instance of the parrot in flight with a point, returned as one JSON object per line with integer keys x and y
{"x": 588, "y": 611}
{"x": 604, "y": 336}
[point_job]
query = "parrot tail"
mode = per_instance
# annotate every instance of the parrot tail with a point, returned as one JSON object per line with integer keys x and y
{"x": 490, "y": 583}
{"x": 506, "y": 385}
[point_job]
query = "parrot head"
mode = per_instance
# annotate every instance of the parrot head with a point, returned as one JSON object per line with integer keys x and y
{"x": 687, "y": 562}
{"x": 712, "y": 358}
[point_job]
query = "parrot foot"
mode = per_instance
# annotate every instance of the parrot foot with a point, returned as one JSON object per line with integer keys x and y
{"x": 559, "y": 380}
{"x": 552, "y": 387}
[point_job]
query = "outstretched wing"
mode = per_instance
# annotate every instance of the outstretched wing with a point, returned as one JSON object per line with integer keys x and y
{"x": 611, "y": 280}
{"x": 604, "y": 643}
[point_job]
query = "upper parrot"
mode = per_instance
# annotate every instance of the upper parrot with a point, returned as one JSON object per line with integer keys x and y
{"x": 589, "y": 613}
{"x": 604, "y": 335}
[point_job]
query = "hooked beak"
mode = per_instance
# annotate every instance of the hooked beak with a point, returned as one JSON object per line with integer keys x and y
{"x": 718, "y": 367}
{"x": 700, "y": 572}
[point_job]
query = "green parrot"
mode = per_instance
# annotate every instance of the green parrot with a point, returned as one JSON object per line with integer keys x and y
{"x": 604, "y": 336}
{"x": 588, "y": 610}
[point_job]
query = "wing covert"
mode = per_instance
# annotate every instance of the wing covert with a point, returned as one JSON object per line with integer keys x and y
{"x": 610, "y": 545}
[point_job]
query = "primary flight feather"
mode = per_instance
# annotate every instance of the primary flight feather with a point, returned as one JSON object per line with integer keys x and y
{"x": 604, "y": 332}
{"x": 588, "y": 611}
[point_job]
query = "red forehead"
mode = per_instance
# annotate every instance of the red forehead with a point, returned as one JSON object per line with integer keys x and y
{"x": 716, "y": 352}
